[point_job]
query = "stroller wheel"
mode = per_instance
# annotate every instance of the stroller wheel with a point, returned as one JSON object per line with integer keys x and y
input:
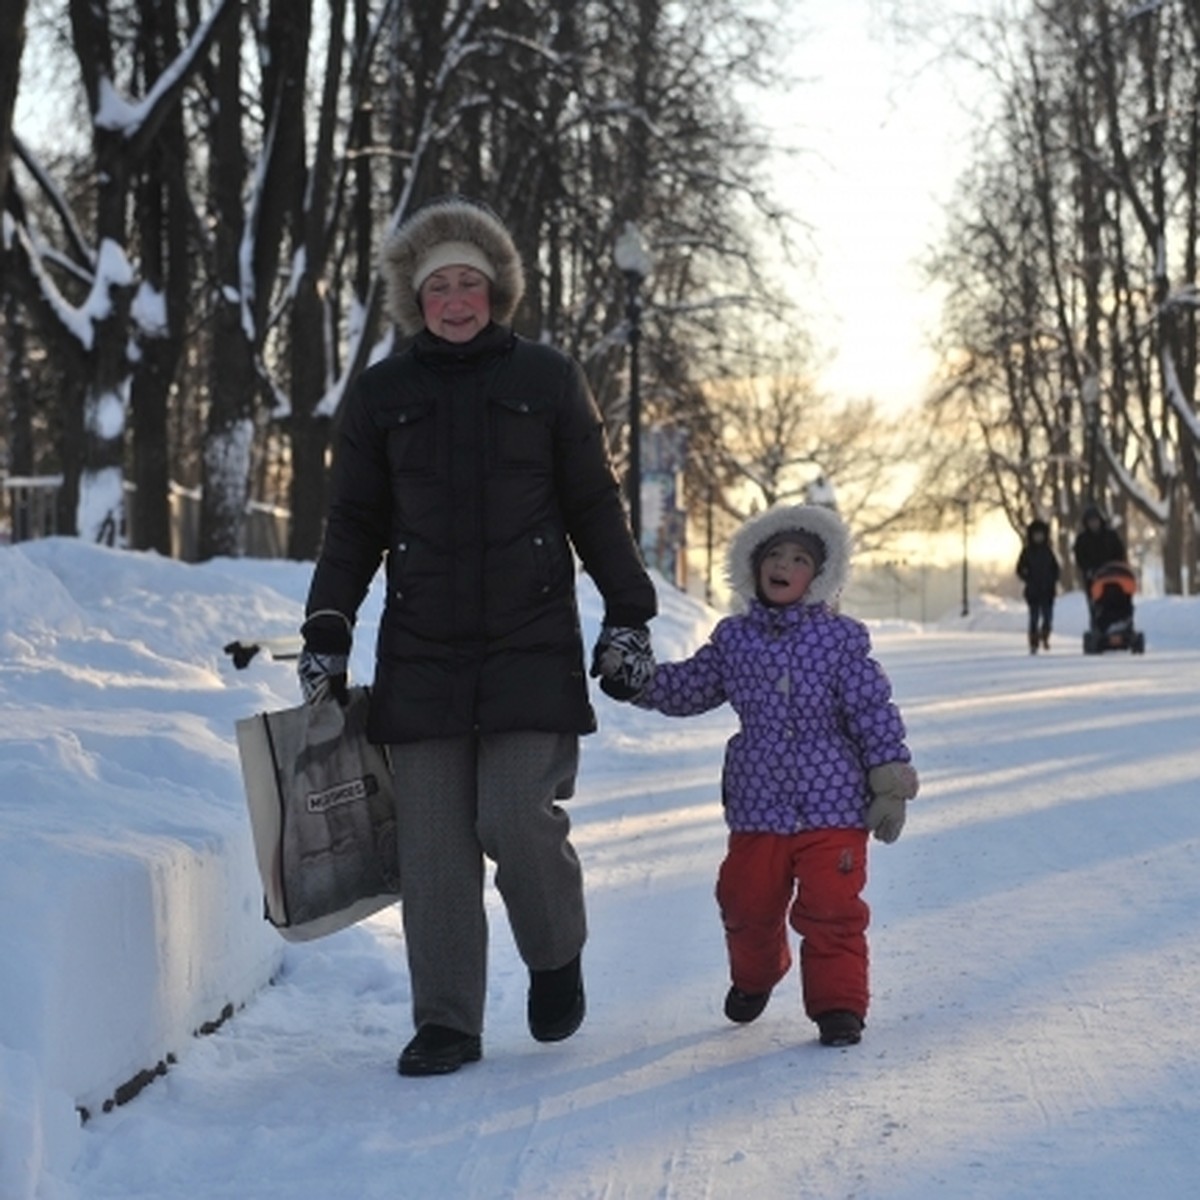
{"x": 1137, "y": 644}
{"x": 1090, "y": 644}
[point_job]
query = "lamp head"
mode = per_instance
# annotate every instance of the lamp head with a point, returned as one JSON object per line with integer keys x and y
{"x": 630, "y": 252}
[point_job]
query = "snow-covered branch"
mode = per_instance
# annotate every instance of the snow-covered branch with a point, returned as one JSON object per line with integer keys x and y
{"x": 138, "y": 121}
{"x": 1177, "y": 399}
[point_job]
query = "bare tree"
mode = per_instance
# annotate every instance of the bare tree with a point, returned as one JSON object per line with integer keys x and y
{"x": 12, "y": 46}
{"x": 94, "y": 316}
{"x": 14, "y": 379}
{"x": 243, "y": 195}
{"x": 784, "y": 442}
{"x": 161, "y": 235}
{"x": 1072, "y": 262}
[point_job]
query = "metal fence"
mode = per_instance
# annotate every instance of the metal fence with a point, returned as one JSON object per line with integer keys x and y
{"x": 32, "y": 511}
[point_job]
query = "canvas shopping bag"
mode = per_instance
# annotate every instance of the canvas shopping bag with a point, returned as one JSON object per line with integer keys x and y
{"x": 322, "y": 814}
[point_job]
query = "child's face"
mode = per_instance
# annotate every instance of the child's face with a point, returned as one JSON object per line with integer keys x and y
{"x": 785, "y": 573}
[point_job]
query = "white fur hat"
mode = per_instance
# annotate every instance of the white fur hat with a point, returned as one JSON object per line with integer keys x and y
{"x": 811, "y": 519}
{"x": 445, "y": 233}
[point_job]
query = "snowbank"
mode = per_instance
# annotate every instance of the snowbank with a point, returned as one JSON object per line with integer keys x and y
{"x": 133, "y": 914}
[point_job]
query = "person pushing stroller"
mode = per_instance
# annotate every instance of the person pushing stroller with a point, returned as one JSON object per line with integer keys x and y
{"x": 1109, "y": 585}
{"x": 1096, "y": 545}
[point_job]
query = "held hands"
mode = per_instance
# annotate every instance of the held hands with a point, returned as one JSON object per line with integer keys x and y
{"x": 324, "y": 661}
{"x": 892, "y": 786}
{"x": 623, "y": 660}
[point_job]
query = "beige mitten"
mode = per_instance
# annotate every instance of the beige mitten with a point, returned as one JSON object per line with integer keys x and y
{"x": 892, "y": 786}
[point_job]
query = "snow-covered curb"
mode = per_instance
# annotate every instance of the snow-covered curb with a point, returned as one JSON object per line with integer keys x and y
{"x": 111, "y": 1009}
{"x": 130, "y": 895}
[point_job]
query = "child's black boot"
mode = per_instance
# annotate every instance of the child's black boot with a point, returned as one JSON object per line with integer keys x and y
{"x": 744, "y": 1007}
{"x": 840, "y": 1028}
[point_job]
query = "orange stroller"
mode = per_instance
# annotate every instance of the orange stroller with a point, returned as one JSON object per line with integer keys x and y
{"x": 1110, "y": 606}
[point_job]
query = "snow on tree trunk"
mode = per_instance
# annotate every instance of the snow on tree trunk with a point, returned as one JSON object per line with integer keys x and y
{"x": 226, "y": 488}
{"x": 101, "y": 511}
{"x": 106, "y": 402}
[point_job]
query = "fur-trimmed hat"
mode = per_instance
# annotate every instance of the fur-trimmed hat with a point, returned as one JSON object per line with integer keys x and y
{"x": 446, "y": 233}
{"x": 801, "y": 521}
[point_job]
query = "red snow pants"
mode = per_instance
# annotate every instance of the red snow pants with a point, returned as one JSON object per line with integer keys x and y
{"x": 813, "y": 881}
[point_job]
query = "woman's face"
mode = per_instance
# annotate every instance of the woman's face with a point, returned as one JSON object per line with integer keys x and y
{"x": 785, "y": 573}
{"x": 456, "y": 303}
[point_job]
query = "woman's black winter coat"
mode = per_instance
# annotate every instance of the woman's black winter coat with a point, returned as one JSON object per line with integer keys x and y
{"x": 473, "y": 470}
{"x": 1095, "y": 548}
{"x": 1037, "y": 565}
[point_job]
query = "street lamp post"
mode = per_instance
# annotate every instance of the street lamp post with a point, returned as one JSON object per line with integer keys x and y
{"x": 633, "y": 261}
{"x": 966, "y": 604}
{"x": 1091, "y": 410}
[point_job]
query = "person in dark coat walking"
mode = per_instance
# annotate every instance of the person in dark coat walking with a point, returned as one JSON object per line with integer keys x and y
{"x": 1096, "y": 544}
{"x": 818, "y": 762}
{"x": 1037, "y": 567}
{"x": 472, "y": 464}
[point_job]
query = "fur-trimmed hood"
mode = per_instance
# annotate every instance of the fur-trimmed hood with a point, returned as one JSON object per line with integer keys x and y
{"x": 821, "y": 522}
{"x": 449, "y": 221}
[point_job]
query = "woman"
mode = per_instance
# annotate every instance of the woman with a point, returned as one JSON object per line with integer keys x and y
{"x": 472, "y": 462}
{"x": 1037, "y": 568}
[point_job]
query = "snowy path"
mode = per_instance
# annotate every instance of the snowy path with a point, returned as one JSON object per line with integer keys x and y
{"x": 1035, "y": 972}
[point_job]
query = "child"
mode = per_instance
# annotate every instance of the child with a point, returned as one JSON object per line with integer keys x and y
{"x": 819, "y": 760}
{"x": 1037, "y": 567}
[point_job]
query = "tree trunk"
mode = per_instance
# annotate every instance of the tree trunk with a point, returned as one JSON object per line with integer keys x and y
{"x": 233, "y": 378}
{"x": 163, "y": 213}
{"x": 18, "y": 390}
{"x": 101, "y": 511}
{"x": 12, "y": 46}
{"x": 309, "y": 432}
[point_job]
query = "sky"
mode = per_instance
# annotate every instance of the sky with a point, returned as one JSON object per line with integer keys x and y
{"x": 1034, "y": 953}
{"x": 879, "y": 135}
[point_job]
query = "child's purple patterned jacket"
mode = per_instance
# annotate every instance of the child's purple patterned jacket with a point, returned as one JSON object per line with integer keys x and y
{"x": 815, "y": 709}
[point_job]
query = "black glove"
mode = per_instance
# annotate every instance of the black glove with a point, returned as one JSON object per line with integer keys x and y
{"x": 623, "y": 660}
{"x": 323, "y": 663}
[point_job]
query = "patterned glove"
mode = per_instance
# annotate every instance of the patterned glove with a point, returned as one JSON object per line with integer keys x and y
{"x": 623, "y": 660}
{"x": 324, "y": 662}
{"x": 892, "y": 786}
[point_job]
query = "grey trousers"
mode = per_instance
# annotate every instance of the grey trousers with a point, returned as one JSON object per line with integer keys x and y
{"x": 459, "y": 799}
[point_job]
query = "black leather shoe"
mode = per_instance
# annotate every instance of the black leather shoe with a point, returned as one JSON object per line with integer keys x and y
{"x": 744, "y": 1007}
{"x": 840, "y": 1028}
{"x": 556, "y": 1002}
{"x": 438, "y": 1050}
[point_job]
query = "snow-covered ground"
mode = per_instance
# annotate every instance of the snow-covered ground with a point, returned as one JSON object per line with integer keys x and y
{"x": 1035, "y": 957}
